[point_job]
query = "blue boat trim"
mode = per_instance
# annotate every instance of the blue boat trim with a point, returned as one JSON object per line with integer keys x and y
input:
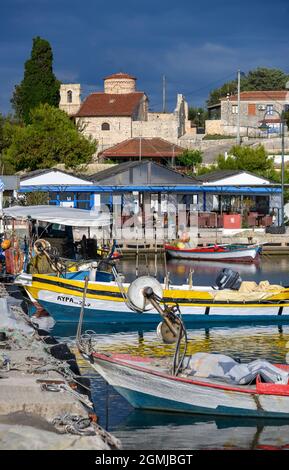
{"x": 67, "y": 313}
{"x": 150, "y": 402}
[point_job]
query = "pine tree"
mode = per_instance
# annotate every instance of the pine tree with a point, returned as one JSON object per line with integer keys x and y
{"x": 39, "y": 84}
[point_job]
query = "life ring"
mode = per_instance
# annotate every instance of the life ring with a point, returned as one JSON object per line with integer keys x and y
{"x": 6, "y": 244}
{"x": 41, "y": 245}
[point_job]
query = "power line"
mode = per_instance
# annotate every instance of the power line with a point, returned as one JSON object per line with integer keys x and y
{"x": 158, "y": 104}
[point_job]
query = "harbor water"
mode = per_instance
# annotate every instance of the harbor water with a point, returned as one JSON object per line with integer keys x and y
{"x": 159, "y": 431}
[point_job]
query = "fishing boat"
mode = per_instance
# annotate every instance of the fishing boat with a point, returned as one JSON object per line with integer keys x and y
{"x": 225, "y": 253}
{"x": 106, "y": 300}
{"x": 148, "y": 383}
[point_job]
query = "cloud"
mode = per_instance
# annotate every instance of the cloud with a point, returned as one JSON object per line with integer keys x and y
{"x": 198, "y": 46}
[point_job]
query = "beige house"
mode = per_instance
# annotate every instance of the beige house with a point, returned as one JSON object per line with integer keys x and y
{"x": 121, "y": 112}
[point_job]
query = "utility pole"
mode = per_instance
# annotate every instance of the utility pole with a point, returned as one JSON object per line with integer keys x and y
{"x": 282, "y": 167}
{"x": 164, "y": 94}
{"x": 238, "y": 114}
{"x": 140, "y": 150}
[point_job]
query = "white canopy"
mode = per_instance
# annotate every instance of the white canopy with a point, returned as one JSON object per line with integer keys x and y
{"x": 59, "y": 215}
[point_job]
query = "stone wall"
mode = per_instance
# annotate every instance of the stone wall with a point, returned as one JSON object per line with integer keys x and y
{"x": 120, "y": 130}
{"x": 214, "y": 126}
{"x": 167, "y": 130}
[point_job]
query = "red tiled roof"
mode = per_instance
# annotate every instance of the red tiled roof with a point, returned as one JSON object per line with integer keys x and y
{"x": 260, "y": 95}
{"x": 154, "y": 148}
{"x": 120, "y": 75}
{"x": 272, "y": 120}
{"x": 106, "y": 104}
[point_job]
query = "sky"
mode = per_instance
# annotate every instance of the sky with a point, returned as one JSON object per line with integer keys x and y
{"x": 197, "y": 45}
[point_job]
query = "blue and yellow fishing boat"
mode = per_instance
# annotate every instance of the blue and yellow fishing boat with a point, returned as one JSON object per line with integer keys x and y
{"x": 105, "y": 300}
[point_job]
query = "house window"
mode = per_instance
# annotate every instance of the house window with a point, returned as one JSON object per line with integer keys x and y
{"x": 105, "y": 126}
{"x": 234, "y": 109}
{"x": 69, "y": 96}
{"x": 269, "y": 109}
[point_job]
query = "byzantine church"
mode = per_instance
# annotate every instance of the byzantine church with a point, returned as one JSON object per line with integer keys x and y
{"x": 120, "y": 113}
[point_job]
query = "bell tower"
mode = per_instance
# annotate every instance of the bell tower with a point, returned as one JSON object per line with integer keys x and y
{"x": 70, "y": 98}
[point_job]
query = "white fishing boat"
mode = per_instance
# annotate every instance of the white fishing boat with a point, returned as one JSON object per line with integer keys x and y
{"x": 225, "y": 253}
{"x": 148, "y": 383}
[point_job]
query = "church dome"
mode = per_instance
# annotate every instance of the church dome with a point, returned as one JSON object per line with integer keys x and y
{"x": 119, "y": 83}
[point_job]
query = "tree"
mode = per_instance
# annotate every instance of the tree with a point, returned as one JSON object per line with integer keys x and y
{"x": 253, "y": 159}
{"x": 190, "y": 158}
{"x": 49, "y": 139}
{"x": 6, "y": 132}
{"x": 259, "y": 79}
{"x": 264, "y": 79}
{"x": 286, "y": 118}
{"x": 198, "y": 116}
{"x": 218, "y": 93}
{"x": 39, "y": 84}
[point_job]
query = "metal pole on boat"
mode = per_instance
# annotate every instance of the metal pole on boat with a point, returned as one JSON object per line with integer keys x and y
{"x": 137, "y": 254}
{"x": 79, "y": 327}
{"x": 166, "y": 270}
{"x": 148, "y": 293}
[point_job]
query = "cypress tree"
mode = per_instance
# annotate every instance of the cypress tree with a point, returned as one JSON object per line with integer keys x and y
{"x": 39, "y": 84}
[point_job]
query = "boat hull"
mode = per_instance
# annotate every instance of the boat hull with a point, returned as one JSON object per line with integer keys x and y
{"x": 154, "y": 391}
{"x": 246, "y": 255}
{"x": 104, "y": 304}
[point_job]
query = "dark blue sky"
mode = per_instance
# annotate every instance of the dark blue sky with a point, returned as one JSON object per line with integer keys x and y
{"x": 198, "y": 45}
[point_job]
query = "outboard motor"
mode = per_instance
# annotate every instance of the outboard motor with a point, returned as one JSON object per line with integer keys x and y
{"x": 228, "y": 279}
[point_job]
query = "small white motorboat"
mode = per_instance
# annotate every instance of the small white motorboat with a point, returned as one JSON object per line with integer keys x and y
{"x": 156, "y": 384}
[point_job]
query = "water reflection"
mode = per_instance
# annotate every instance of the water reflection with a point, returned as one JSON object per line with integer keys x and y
{"x": 275, "y": 268}
{"x": 151, "y": 430}
{"x": 245, "y": 342}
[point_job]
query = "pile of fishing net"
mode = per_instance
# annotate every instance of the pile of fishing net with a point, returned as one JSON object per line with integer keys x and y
{"x": 219, "y": 366}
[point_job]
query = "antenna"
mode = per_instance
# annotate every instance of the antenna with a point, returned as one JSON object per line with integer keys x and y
{"x": 164, "y": 94}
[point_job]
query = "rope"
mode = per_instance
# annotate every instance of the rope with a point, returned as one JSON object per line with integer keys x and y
{"x": 74, "y": 424}
{"x": 66, "y": 388}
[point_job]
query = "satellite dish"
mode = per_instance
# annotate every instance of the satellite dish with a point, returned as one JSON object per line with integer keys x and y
{"x": 166, "y": 335}
{"x": 135, "y": 292}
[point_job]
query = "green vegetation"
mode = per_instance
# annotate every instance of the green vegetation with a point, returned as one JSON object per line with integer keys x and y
{"x": 253, "y": 159}
{"x": 50, "y": 138}
{"x": 190, "y": 159}
{"x": 36, "y": 198}
{"x": 218, "y": 137}
{"x": 39, "y": 84}
{"x": 6, "y": 134}
{"x": 198, "y": 116}
{"x": 259, "y": 79}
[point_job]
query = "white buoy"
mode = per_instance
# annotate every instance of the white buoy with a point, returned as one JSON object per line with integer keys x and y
{"x": 136, "y": 289}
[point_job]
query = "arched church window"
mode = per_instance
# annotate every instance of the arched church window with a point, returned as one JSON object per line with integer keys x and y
{"x": 69, "y": 96}
{"x": 105, "y": 126}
